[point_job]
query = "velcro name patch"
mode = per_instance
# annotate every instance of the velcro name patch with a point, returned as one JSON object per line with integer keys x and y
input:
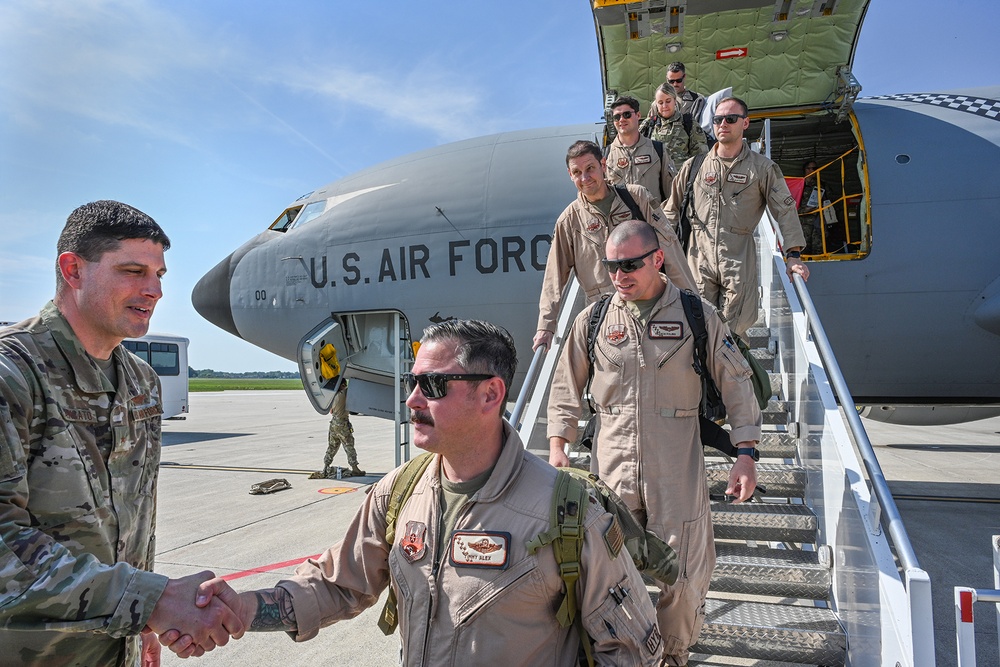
{"x": 666, "y": 329}
{"x": 737, "y": 178}
{"x": 474, "y": 548}
{"x": 643, "y": 159}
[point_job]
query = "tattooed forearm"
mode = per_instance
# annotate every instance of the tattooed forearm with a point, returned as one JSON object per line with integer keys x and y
{"x": 274, "y": 611}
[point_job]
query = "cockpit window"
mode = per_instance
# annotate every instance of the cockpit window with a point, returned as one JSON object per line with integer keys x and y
{"x": 284, "y": 221}
{"x": 310, "y": 212}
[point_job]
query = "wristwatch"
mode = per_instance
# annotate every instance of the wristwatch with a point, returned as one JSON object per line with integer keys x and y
{"x": 793, "y": 254}
{"x": 752, "y": 452}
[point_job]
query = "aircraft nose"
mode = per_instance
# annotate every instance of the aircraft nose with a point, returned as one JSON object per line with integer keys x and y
{"x": 211, "y": 296}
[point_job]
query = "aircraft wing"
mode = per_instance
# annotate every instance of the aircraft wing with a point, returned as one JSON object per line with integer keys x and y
{"x": 776, "y": 54}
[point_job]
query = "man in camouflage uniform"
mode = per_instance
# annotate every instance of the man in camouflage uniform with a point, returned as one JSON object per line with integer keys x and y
{"x": 680, "y": 134}
{"x": 341, "y": 432}
{"x": 634, "y": 159}
{"x": 79, "y": 455}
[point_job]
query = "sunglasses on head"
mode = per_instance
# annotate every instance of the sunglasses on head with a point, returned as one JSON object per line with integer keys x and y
{"x": 435, "y": 385}
{"x": 730, "y": 118}
{"x": 626, "y": 265}
{"x": 624, "y": 114}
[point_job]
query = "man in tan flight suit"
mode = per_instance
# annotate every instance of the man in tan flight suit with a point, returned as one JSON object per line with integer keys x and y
{"x": 647, "y": 395}
{"x": 580, "y": 233}
{"x": 632, "y": 158}
{"x": 731, "y": 190}
{"x": 468, "y": 591}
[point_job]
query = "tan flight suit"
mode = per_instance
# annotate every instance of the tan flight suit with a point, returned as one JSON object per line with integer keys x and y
{"x": 726, "y": 206}
{"x": 639, "y": 164}
{"x": 498, "y": 610}
{"x": 578, "y": 245}
{"x": 648, "y": 445}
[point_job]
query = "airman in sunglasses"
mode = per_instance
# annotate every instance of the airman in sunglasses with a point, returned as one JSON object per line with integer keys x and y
{"x": 647, "y": 395}
{"x": 583, "y": 227}
{"x": 732, "y": 188}
{"x": 633, "y": 158}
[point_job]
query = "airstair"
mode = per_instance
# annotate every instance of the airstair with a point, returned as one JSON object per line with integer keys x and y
{"x": 819, "y": 570}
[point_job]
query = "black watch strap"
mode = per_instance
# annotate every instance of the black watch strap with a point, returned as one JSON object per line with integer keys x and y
{"x": 793, "y": 254}
{"x": 752, "y": 452}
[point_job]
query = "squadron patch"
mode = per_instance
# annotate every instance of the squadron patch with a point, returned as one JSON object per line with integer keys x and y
{"x": 593, "y": 225}
{"x": 666, "y": 330}
{"x": 622, "y": 162}
{"x": 711, "y": 177}
{"x": 413, "y": 545}
{"x": 615, "y": 333}
{"x": 653, "y": 641}
{"x": 474, "y": 548}
{"x": 737, "y": 178}
{"x": 643, "y": 159}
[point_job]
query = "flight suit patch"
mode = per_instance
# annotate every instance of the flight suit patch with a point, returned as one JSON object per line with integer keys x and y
{"x": 475, "y": 548}
{"x": 622, "y": 162}
{"x": 737, "y": 178}
{"x": 711, "y": 177}
{"x": 413, "y": 544}
{"x": 653, "y": 641}
{"x": 614, "y": 537}
{"x": 643, "y": 159}
{"x": 593, "y": 225}
{"x": 666, "y": 330}
{"x": 615, "y": 333}
{"x": 789, "y": 201}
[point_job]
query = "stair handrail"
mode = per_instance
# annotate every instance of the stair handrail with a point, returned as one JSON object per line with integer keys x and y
{"x": 880, "y": 486}
{"x": 524, "y": 415}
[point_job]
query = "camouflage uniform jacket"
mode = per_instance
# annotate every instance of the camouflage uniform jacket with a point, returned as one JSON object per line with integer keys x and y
{"x": 78, "y": 468}
{"x": 578, "y": 246}
{"x": 639, "y": 164}
{"x": 676, "y": 140}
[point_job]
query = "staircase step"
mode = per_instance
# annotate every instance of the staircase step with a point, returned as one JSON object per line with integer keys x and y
{"x": 763, "y": 522}
{"x": 765, "y": 357}
{"x": 758, "y": 337}
{"x": 772, "y": 445}
{"x": 805, "y": 635}
{"x": 780, "y": 479}
{"x": 765, "y": 571}
{"x": 776, "y": 412}
{"x": 775, "y": 379}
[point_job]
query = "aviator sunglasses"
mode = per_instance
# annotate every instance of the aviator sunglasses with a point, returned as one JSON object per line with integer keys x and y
{"x": 435, "y": 385}
{"x": 624, "y": 114}
{"x": 626, "y": 265}
{"x": 730, "y": 118}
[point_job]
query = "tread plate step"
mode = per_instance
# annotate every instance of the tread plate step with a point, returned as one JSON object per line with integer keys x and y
{"x": 763, "y": 522}
{"x": 766, "y": 571}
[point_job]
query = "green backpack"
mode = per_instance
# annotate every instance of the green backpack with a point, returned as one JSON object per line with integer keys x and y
{"x": 570, "y": 497}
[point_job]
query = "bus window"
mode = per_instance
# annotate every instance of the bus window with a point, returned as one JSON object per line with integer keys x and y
{"x": 164, "y": 358}
{"x": 138, "y": 348}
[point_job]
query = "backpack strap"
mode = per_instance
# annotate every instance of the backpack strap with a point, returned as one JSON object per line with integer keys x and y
{"x": 570, "y": 500}
{"x": 688, "y": 121}
{"x": 593, "y": 330}
{"x": 402, "y": 489}
{"x": 658, "y": 147}
{"x": 629, "y": 201}
{"x": 685, "y": 222}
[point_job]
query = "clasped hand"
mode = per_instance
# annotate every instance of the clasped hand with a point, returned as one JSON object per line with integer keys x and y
{"x": 197, "y": 613}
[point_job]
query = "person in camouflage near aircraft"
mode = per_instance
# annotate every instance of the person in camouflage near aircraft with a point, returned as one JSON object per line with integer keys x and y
{"x": 341, "y": 433}
{"x": 79, "y": 456}
{"x": 680, "y": 134}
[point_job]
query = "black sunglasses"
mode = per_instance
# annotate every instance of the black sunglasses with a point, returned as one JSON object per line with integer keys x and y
{"x": 624, "y": 114}
{"x": 435, "y": 385}
{"x": 730, "y": 118}
{"x": 626, "y": 265}
{"x": 669, "y": 80}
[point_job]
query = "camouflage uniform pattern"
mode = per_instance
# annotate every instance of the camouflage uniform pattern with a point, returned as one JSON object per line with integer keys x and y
{"x": 78, "y": 469}
{"x": 341, "y": 432}
{"x": 676, "y": 141}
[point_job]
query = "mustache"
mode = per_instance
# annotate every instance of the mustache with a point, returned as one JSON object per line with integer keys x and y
{"x": 418, "y": 417}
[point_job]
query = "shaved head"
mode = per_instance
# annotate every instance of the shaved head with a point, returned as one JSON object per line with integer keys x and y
{"x": 634, "y": 229}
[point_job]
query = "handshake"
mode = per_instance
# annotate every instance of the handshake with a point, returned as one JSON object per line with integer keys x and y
{"x": 197, "y": 613}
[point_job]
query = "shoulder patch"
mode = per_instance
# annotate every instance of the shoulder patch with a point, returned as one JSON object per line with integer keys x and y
{"x": 789, "y": 201}
{"x": 614, "y": 538}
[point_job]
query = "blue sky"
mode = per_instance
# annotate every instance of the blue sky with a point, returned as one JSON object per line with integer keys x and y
{"x": 213, "y": 116}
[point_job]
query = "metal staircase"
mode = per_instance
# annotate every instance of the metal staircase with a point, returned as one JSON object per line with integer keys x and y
{"x": 805, "y": 574}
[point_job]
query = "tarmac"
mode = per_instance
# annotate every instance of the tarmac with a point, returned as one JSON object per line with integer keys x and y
{"x": 946, "y": 481}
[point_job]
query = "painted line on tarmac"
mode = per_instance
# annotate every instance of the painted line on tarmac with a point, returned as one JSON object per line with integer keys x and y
{"x": 280, "y": 471}
{"x": 267, "y": 568}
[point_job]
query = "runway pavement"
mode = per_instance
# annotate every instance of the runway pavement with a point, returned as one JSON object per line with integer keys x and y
{"x": 945, "y": 480}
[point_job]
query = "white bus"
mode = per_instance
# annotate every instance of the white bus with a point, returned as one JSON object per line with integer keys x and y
{"x": 168, "y": 355}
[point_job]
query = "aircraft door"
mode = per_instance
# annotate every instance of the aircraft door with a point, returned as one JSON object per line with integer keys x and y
{"x": 322, "y": 372}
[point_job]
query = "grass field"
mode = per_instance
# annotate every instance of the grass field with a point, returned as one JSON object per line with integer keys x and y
{"x": 247, "y": 384}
